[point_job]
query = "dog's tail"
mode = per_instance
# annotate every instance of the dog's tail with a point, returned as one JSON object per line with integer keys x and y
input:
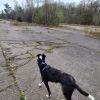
{"x": 84, "y": 93}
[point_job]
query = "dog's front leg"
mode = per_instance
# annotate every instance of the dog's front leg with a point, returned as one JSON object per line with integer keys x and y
{"x": 49, "y": 92}
{"x": 40, "y": 84}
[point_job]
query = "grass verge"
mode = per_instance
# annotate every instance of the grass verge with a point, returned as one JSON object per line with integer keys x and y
{"x": 92, "y": 31}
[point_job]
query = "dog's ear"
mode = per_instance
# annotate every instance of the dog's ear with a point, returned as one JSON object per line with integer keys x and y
{"x": 43, "y": 55}
{"x": 38, "y": 55}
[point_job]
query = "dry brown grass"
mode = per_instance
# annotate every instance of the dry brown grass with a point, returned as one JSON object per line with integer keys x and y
{"x": 92, "y": 31}
{"x": 16, "y": 23}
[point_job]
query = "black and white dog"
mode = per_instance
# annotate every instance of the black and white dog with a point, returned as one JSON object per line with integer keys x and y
{"x": 49, "y": 74}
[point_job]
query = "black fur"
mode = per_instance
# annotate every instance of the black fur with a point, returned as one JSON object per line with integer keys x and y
{"x": 67, "y": 82}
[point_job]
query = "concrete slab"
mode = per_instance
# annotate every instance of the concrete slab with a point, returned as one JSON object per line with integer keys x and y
{"x": 5, "y": 80}
{"x": 77, "y": 55}
{"x": 7, "y": 90}
{"x": 9, "y": 94}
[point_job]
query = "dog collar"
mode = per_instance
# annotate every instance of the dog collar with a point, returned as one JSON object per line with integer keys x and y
{"x": 43, "y": 63}
{"x": 44, "y": 68}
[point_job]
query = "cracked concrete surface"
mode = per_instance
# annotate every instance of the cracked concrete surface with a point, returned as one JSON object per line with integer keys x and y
{"x": 67, "y": 50}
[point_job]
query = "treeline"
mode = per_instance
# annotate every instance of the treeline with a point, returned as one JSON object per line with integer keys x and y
{"x": 87, "y": 12}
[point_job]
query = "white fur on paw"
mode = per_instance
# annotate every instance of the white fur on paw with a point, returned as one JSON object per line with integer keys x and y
{"x": 40, "y": 84}
{"x": 47, "y": 96}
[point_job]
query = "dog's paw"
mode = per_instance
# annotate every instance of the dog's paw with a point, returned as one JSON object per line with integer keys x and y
{"x": 47, "y": 96}
{"x": 40, "y": 84}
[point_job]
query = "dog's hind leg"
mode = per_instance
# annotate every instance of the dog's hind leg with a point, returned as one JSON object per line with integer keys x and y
{"x": 67, "y": 93}
{"x": 49, "y": 92}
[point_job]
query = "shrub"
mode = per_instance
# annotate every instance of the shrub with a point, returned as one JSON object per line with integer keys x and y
{"x": 53, "y": 15}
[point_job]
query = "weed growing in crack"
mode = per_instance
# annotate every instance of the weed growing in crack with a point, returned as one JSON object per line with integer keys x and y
{"x": 50, "y": 48}
{"x": 11, "y": 72}
{"x": 32, "y": 55}
{"x": 10, "y": 68}
{"x": 22, "y": 96}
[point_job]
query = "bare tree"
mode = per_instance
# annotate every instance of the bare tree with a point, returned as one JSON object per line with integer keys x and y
{"x": 7, "y": 10}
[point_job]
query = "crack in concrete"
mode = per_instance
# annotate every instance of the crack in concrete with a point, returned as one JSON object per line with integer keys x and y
{"x": 9, "y": 86}
{"x": 75, "y": 44}
{"x": 8, "y": 64}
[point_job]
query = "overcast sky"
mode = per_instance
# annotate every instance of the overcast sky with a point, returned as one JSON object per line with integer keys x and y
{"x": 10, "y": 2}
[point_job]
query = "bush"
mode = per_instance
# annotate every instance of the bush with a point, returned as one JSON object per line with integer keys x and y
{"x": 19, "y": 19}
{"x": 53, "y": 15}
{"x": 38, "y": 16}
{"x": 86, "y": 18}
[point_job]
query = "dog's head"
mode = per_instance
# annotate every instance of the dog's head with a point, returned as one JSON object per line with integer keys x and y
{"x": 41, "y": 57}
